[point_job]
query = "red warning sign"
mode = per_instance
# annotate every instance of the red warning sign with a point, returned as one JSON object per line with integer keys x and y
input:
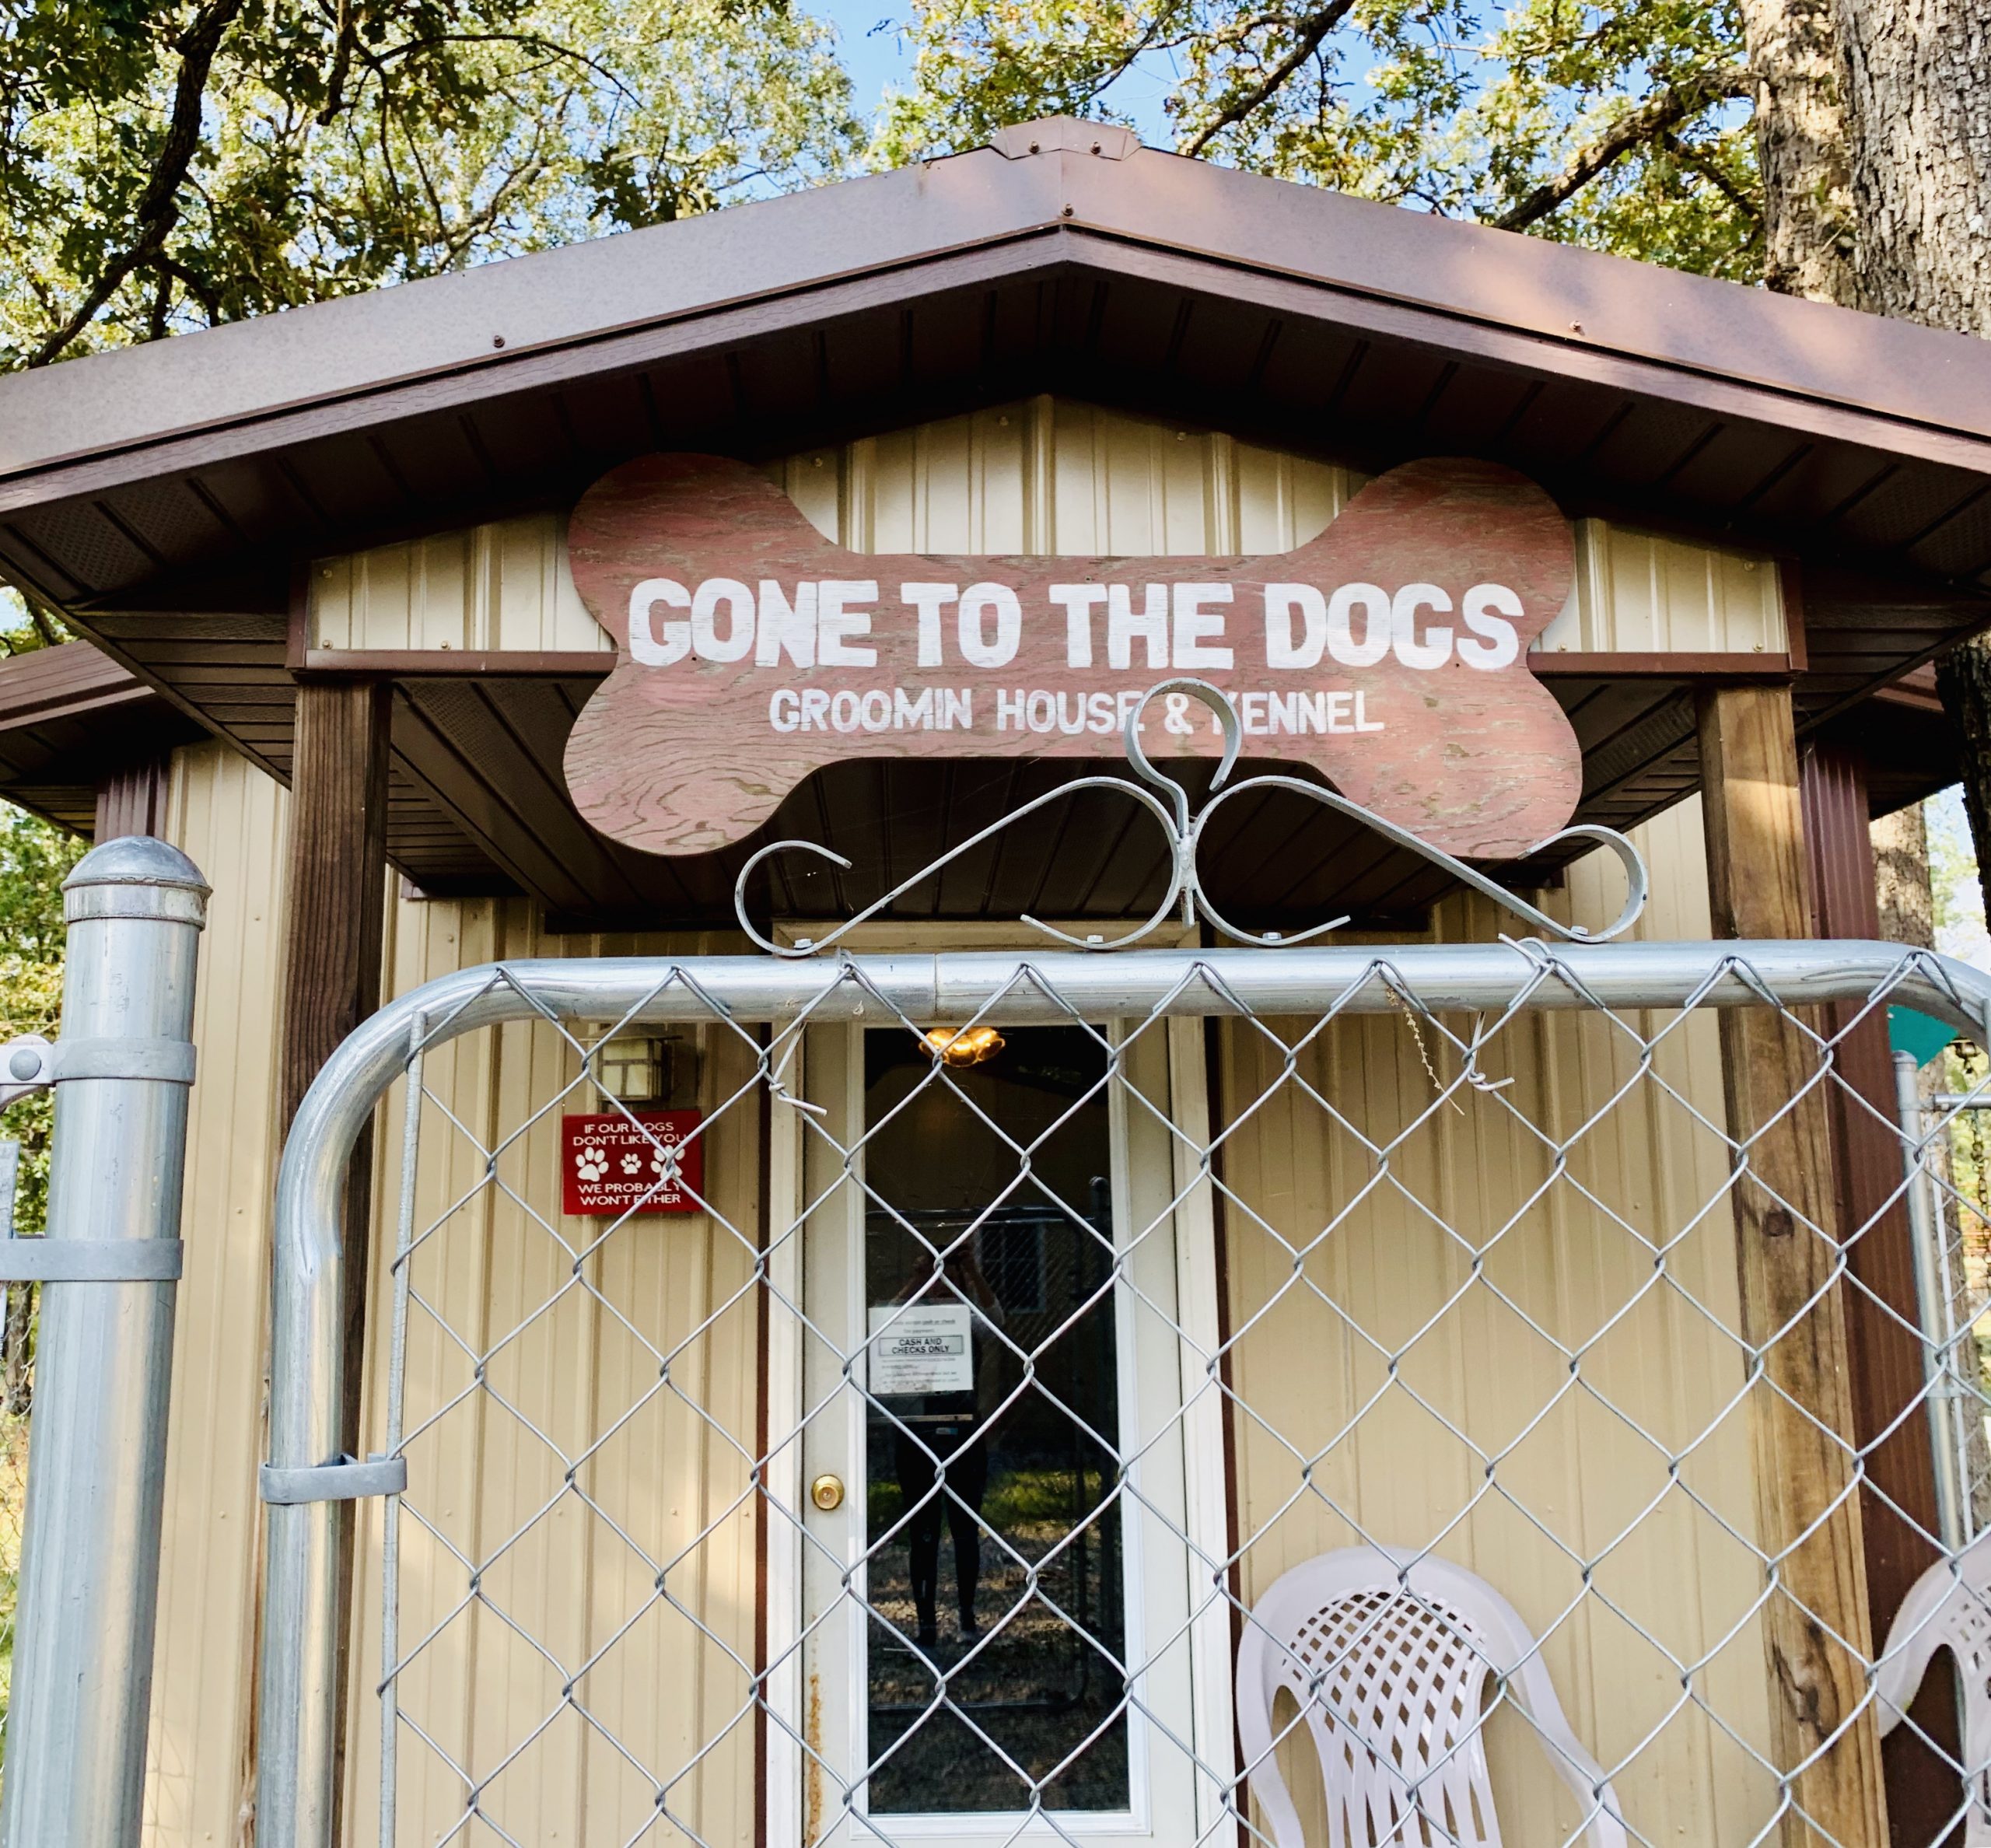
{"x": 647, "y": 1161}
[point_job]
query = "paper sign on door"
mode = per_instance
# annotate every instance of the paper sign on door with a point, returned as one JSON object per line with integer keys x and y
{"x": 918, "y": 1349}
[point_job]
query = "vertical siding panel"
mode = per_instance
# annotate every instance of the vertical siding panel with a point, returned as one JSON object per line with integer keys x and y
{"x": 1036, "y": 475}
{"x": 1001, "y": 480}
{"x": 1078, "y": 495}
{"x": 1040, "y": 466}
{"x": 231, "y": 819}
{"x": 945, "y": 487}
{"x": 334, "y": 601}
{"x": 1575, "y": 1485}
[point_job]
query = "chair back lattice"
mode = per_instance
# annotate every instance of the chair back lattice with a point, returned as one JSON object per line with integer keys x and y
{"x": 1388, "y": 1656}
{"x": 1949, "y": 1606}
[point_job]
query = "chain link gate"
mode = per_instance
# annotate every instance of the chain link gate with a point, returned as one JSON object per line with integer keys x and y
{"x": 1297, "y": 1395}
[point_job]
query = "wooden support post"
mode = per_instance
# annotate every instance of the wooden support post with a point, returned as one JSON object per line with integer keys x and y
{"x": 338, "y": 868}
{"x": 1815, "y": 1625}
{"x": 333, "y": 930}
{"x": 1897, "y": 1511}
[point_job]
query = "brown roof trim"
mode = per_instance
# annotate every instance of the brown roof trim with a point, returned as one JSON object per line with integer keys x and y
{"x": 65, "y": 682}
{"x": 625, "y": 301}
{"x": 722, "y": 325}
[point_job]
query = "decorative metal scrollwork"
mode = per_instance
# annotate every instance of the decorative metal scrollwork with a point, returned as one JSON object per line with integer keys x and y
{"x": 1186, "y": 897}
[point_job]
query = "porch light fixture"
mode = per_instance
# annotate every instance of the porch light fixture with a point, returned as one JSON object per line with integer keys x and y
{"x": 647, "y": 1068}
{"x": 960, "y": 1046}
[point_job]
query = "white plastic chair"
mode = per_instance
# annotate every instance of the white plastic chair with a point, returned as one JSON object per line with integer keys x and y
{"x": 1388, "y": 1656}
{"x": 1949, "y": 1606}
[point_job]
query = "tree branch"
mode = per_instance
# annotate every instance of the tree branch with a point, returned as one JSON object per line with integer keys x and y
{"x": 194, "y": 284}
{"x": 1701, "y": 162}
{"x": 1312, "y": 29}
{"x": 1653, "y": 118}
{"x": 158, "y": 205}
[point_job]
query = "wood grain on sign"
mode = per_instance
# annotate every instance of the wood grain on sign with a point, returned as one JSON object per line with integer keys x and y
{"x": 1390, "y": 654}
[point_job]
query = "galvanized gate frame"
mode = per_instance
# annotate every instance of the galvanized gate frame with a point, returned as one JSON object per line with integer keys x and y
{"x": 794, "y": 984}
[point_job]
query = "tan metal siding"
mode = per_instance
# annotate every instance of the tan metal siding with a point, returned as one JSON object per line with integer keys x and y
{"x": 1639, "y": 593}
{"x": 572, "y": 1357}
{"x": 503, "y": 585}
{"x": 230, "y": 818}
{"x": 1048, "y": 476}
{"x": 1044, "y": 476}
{"x": 1391, "y": 1368}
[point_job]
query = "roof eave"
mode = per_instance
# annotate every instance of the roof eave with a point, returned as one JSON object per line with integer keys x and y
{"x": 625, "y": 301}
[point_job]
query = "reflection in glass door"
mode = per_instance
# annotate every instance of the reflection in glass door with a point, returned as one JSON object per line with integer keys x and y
{"x": 1003, "y": 1617}
{"x": 996, "y": 1657}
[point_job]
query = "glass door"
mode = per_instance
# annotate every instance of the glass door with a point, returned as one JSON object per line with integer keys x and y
{"x": 998, "y": 1571}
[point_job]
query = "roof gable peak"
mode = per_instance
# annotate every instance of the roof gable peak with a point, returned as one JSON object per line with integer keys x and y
{"x": 1065, "y": 134}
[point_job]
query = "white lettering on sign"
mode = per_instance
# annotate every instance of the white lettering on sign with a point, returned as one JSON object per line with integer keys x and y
{"x": 1389, "y": 653}
{"x": 1265, "y": 713}
{"x": 919, "y": 1347}
{"x": 1148, "y": 627}
{"x": 880, "y": 709}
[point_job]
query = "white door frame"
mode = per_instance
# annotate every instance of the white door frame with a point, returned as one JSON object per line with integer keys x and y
{"x": 1178, "y": 1622}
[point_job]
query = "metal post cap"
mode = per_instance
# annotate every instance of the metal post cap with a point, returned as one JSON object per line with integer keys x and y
{"x": 136, "y": 875}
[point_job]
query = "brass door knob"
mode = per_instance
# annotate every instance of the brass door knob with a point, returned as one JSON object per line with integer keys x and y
{"x": 826, "y": 1492}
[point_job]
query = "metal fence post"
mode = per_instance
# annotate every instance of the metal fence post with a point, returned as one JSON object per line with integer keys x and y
{"x": 75, "y": 1747}
{"x": 1932, "y": 1282}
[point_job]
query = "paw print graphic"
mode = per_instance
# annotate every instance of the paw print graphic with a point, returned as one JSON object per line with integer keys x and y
{"x": 631, "y": 1163}
{"x": 658, "y": 1162}
{"x": 591, "y": 1164}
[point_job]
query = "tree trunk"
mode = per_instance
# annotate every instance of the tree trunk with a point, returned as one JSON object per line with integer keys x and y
{"x": 1918, "y": 93}
{"x": 1800, "y": 121}
{"x": 1963, "y": 678}
{"x": 1916, "y": 79}
{"x": 1901, "y": 877}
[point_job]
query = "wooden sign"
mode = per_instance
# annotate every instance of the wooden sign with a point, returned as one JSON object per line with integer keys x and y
{"x": 1390, "y": 653}
{"x": 610, "y": 1165}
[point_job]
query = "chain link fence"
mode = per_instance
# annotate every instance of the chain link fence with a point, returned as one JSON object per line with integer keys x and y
{"x": 1292, "y": 1397}
{"x": 1952, "y": 1114}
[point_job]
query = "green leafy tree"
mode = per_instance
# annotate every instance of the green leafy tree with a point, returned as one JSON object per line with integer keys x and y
{"x": 1618, "y": 124}
{"x": 35, "y": 857}
{"x": 34, "y": 860}
{"x": 167, "y": 166}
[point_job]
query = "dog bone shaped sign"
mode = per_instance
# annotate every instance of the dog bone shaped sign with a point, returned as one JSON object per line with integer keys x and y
{"x": 1390, "y": 653}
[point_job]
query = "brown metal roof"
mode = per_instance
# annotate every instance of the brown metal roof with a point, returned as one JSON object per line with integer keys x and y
{"x": 166, "y": 494}
{"x": 70, "y": 718}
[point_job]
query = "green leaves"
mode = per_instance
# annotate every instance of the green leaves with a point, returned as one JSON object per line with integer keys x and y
{"x": 1425, "y": 102}
{"x": 165, "y": 164}
{"x": 337, "y": 145}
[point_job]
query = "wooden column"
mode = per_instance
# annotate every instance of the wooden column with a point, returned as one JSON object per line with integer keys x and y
{"x": 1801, "y": 1411}
{"x": 338, "y": 868}
{"x": 1897, "y": 1510}
{"x": 334, "y": 916}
